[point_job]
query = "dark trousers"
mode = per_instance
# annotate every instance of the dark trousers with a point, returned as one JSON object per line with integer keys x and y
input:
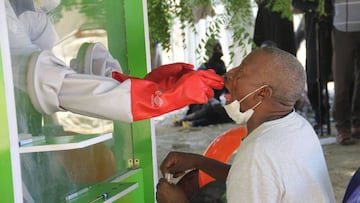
{"x": 271, "y": 26}
{"x": 346, "y": 73}
{"x": 318, "y": 62}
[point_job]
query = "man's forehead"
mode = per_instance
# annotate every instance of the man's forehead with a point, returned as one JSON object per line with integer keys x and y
{"x": 242, "y": 68}
{"x": 254, "y": 59}
{"x": 235, "y": 71}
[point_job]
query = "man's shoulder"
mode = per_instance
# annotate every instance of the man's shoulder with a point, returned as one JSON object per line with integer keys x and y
{"x": 289, "y": 126}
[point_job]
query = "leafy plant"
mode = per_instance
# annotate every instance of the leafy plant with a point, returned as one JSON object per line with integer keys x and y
{"x": 237, "y": 17}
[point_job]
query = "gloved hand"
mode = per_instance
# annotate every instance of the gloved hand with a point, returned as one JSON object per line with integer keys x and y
{"x": 165, "y": 76}
{"x": 95, "y": 59}
{"x": 52, "y": 87}
{"x": 192, "y": 87}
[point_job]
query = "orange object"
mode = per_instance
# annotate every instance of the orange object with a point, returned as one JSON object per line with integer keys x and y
{"x": 221, "y": 149}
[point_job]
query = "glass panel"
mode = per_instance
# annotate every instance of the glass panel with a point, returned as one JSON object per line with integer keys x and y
{"x": 78, "y": 22}
{"x": 53, "y": 176}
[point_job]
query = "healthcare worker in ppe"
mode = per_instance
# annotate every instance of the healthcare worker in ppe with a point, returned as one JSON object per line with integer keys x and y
{"x": 94, "y": 84}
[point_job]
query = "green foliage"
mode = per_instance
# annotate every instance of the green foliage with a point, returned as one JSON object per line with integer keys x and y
{"x": 237, "y": 17}
{"x": 92, "y": 9}
{"x": 211, "y": 34}
{"x": 160, "y": 14}
{"x": 321, "y": 8}
{"x": 281, "y": 6}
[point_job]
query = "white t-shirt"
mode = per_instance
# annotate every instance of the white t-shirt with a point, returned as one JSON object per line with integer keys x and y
{"x": 280, "y": 161}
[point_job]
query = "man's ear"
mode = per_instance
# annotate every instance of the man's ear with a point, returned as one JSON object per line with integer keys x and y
{"x": 266, "y": 92}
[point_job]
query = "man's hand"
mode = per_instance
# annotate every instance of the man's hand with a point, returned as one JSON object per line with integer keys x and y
{"x": 177, "y": 163}
{"x": 166, "y": 193}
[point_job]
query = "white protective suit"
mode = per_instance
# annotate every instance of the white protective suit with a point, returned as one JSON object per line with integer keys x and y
{"x": 53, "y": 86}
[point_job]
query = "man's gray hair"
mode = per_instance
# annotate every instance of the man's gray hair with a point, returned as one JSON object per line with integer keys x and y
{"x": 287, "y": 76}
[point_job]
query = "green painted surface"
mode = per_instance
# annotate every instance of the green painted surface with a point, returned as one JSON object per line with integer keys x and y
{"x": 58, "y": 174}
{"x": 100, "y": 192}
{"x": 138, "y": 195}
{"x": 137, "y": 65}
{"x": 6, "y": 184}
{"x": 116, "y": 27}
{"x": 143, "y": 152}
{"x": 127, "y": 43}
{"x": 128, "y": 190}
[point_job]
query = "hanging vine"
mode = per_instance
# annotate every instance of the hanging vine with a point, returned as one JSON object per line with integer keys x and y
{"x": 237, "y": 17}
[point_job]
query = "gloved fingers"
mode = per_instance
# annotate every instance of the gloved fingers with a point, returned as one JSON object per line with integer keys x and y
{"x": 199, "y": 93}
{"x": 209, "y": 92}
{"x": 210, "y": 74}
{"x": 167, "y": 75}
{"x": 185, "y": 71}
{"x": 119, "y": 76}
{"x": 204, "y": 96}
{"x": 187, "y": 66}
{"x": 169, "y": 70}
{"x": 214, "y": 84}
{"x": 208, "y": 79}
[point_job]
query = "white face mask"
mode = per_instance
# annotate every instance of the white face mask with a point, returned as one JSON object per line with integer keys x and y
{"x": 233, "y": 109}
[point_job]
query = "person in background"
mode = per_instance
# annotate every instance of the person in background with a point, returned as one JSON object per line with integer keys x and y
{"x": 346, "y": 70}
{"x": 271, "y": 26}
{"x": 317, "y": 33}
{"x": 213, "y": 111}
{"x": 281, "y": 159}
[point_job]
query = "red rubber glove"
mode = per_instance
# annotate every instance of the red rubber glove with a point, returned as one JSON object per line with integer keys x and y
{"x": 165, "y": 76}
{"x": 148, "y": 100}
{"x": 121, "y": 77}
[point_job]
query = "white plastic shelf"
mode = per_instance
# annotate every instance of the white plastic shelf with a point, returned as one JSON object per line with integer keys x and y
{"x": 67, "y": 142}
{"x": 103, "y": 192}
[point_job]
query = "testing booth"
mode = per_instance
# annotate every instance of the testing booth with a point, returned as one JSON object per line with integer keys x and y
{"x": 70, "y": 157}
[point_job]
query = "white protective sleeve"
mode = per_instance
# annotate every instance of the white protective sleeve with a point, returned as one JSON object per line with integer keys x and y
{"x": 38, "y": 27}
{"x": 53, "y": 87}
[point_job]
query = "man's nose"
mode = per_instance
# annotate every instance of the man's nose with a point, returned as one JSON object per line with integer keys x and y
{"x": 227, "y": 83}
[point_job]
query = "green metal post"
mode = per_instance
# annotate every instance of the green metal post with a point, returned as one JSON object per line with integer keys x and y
{"x": 127, "y": 37}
